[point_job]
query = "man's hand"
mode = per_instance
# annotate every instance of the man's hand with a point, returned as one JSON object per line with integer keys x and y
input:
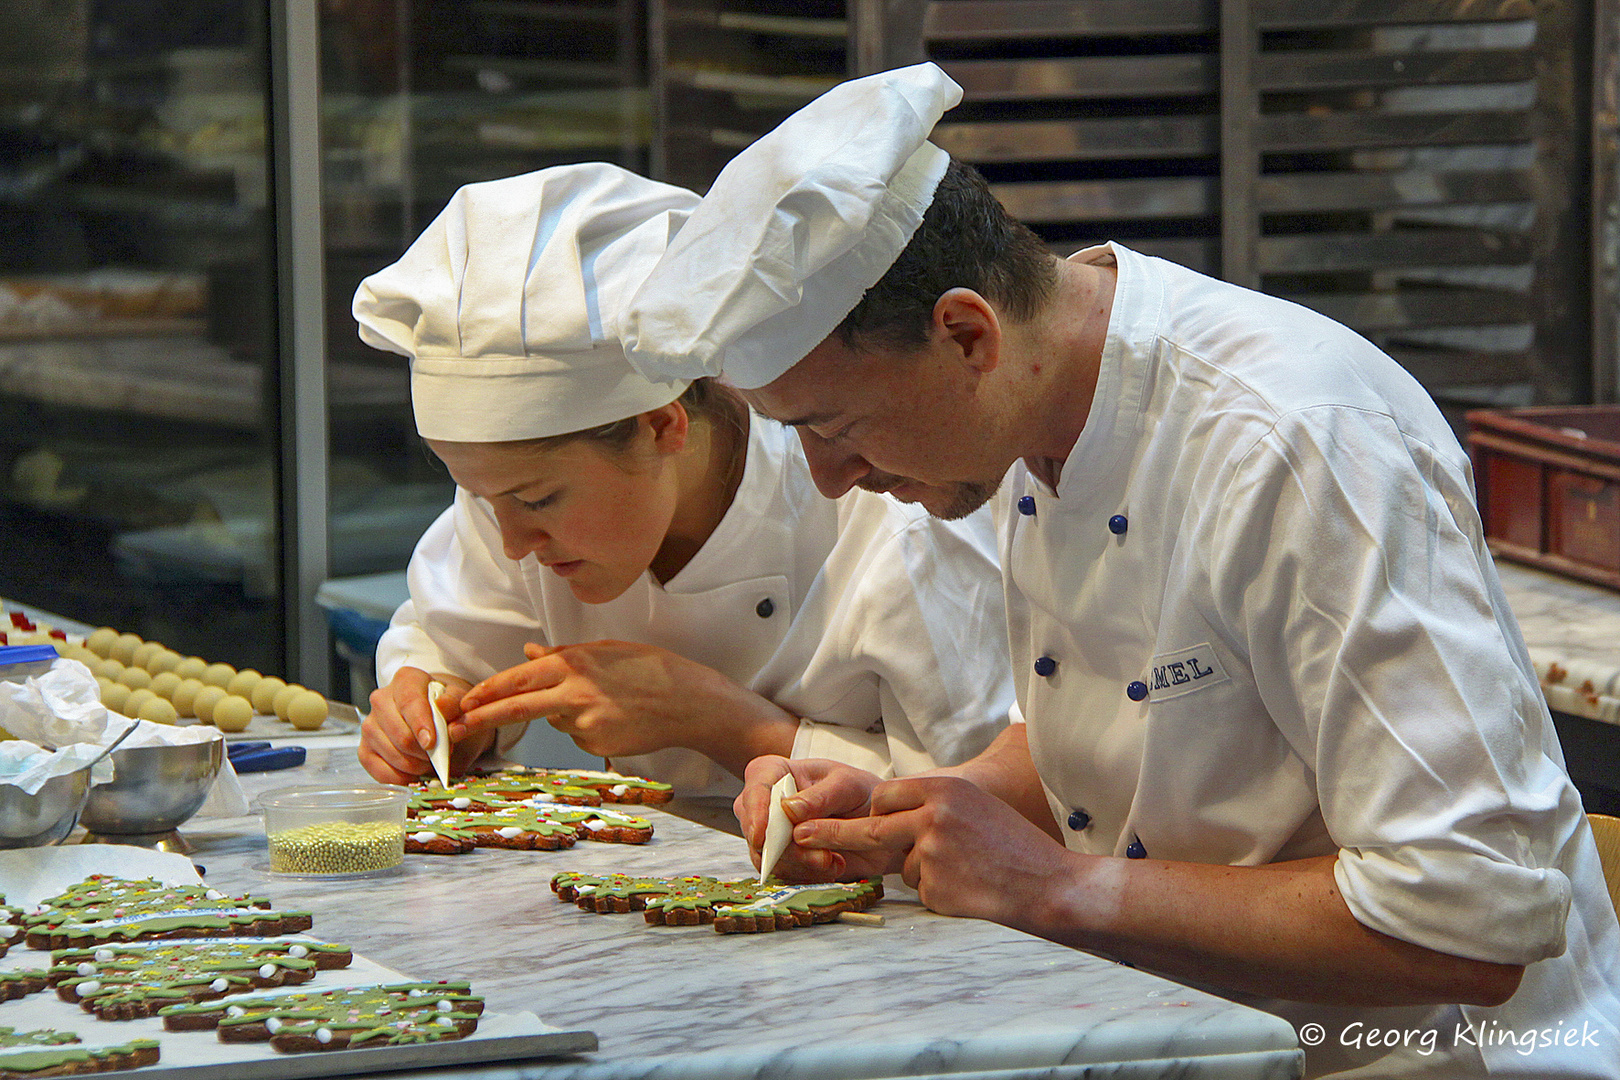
{"x": 827, "y": 789}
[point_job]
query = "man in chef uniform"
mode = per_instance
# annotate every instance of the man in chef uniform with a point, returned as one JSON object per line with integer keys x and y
{"x": 1283, "y": 739}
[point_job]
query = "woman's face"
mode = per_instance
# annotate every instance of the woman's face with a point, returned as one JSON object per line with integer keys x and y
{"x": 593, "y": 516}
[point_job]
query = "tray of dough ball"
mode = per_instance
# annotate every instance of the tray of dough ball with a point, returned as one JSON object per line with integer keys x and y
{"x": 149, "y": 680}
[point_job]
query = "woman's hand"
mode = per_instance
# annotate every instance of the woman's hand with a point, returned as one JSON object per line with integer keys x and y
{"x": 398, "y": 733}
{"x": 621, "y": 698}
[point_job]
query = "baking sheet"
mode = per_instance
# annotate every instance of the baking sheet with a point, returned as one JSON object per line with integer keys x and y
{"x": 341, "y": 719}
{"x": 28, "y": 875}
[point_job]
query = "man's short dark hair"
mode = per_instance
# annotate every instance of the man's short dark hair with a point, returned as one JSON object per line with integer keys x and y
{"x": 966, "y": 240}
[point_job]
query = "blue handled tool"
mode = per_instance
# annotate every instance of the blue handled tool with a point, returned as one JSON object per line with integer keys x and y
{"x": 262, "y": 757}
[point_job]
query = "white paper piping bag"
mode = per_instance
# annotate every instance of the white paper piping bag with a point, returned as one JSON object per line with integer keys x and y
{"x": 778, "y": 829}
{"x": 440, "y": 754}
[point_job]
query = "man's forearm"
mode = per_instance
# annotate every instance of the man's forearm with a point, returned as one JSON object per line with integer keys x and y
{"x": 1005, "y": 769}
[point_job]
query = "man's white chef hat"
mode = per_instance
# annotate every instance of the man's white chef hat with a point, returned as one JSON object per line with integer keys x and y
{"x": 794, "y": 231}
{"x": 508, "y": 303}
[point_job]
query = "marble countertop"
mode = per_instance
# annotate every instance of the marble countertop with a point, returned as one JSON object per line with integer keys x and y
{"x": 1573, "y": 633}
{"x": 924, "y": 995}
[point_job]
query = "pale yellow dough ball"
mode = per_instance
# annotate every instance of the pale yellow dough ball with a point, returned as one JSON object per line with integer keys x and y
{"x": 243, "y": 682}
{"x": 123, "y": 650}
{"x": 81, "y": 654}
{"x": 144, "y": 652}
{"x": 264, "y": 694}
{"x": 101, "y": 641}
{"x": 158, "y": 711}
{"x": 184, "y": 695}
{"x": 233, "y": 713}
{"x": 283, "y": 698}
{"x": 306, "y": 711}
{"x": 136, "y": 700}
{"x": 192, "y": 667}
{"x": 203, "y": 704}
{"x": 219, "y": 675}
{"x": 113, "y": 694}
{"x": 163, "y": 660}
{"x": 165, "y": 683}
{"x": 109, "y": 669}
{"x": 136, "y": 678}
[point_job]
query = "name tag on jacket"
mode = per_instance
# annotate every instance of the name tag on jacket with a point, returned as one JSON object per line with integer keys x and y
{"x": 1183, "y": 672}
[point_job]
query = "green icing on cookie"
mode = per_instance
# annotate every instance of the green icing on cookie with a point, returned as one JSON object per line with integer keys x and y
{"x": 11, "y": 1037}
{"x": 396, "y": 1014}
{"x": 112, "y": 976}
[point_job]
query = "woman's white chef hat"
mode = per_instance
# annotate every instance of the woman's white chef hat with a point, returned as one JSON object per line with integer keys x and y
{"x": 508, "y": 303}
{"x": 794, "y": 231}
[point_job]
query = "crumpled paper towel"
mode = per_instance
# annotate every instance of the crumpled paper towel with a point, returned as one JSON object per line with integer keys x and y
{"x": 63, "y": 708}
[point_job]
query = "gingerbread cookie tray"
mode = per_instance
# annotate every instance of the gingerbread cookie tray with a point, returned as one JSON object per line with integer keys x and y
{"x": 33, "y": 873}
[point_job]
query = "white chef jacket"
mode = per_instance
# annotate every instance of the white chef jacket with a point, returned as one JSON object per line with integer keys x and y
{"x": 1272, "y": 630}
{"x": 881, "y": 627}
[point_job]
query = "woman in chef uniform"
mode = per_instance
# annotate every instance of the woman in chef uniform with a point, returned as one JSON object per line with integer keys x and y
{"x": 643, "y": 564}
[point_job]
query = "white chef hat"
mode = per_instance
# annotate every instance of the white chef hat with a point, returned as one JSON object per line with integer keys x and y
{"x": 794, "y": 231}
{"x": 508, "y": 303}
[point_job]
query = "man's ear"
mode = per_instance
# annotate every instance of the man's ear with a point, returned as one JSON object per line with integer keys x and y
{"x": 670, "y": 425}
{"x": 969, "y": 321}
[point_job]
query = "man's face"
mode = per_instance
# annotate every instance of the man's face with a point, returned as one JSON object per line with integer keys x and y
{"x": 902, "y": 424}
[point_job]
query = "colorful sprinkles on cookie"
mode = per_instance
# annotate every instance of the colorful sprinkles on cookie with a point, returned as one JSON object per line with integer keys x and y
{"x": 733, "y": 907}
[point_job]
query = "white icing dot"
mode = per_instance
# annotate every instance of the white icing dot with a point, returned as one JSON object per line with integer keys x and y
{"x": 266, "y": 970}
{"x": 416, "y": 992}
{"x": 44, "y": 907}
{"x": 219, "y": 986}
{"x": 298, "y": 952}
{"x": 423, "y": 837}
{"x": 235, "y": 1010}
{"x": 461, "y": 802}
{"x": 273, "y": 1024}
{"x": 323, "y": 1035}
{"x": 105, "y": 955}
{"x": 444, "y": 1006}
{"x": 595, "y": 825}
{"x": 509, "y": 831}
{"x": 619, "y": 789}
{"x": 214, "y": 894}
{"x": 445, "y": 1020}
{"x": 87, "y": 969}
{"x": 542, "y": 797}
{"x": 88, "y": 987}
{"x": 432, "y": 819}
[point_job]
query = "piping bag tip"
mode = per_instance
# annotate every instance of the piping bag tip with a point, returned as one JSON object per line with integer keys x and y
{"x": 778, "y": 829}
{"x": 439, "y": 756}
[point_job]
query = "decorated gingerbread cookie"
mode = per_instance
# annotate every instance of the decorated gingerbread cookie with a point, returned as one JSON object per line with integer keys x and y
{"x": 734, "y": 907}
{"x": 31, "y": 1054}
{"x": 102, "y": 909}
{"x": 349, "y": 1018}
{"x": 543, "y": 827}
{"x": 11, "y": 928}
{"x": 134, "y": 980}
{"x": 609, "y": 786}
{"x": 485, "y": 792}
{"x": 21, "y": 982}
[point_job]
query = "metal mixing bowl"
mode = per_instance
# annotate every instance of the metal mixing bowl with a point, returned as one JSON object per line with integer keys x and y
{"x": 43, "y": 818}
{"x": 156, "y": 788}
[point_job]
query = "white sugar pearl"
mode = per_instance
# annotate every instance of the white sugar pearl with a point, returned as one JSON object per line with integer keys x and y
{"x": 509, "y": 831}
{"x": 323, "y": 1035}
{"x": 219, "y": 986}
{"x": 235, "y": 1010}
{"x": 87, "y": 969}
{"x": 89, "y": 987}
{"x": 445, "y": 1020}
{"x": 214, "y": 894}
{"x": 595, "y": 825}
{"x": 273, "y": 1024}
{"x": 423, "y": 837}
{"x": 444, "y": 1006}
{"x": 461, "y": 802}
{"x": 298, "y": 952}
{"x": 432, "y": 819}
{"x": 619, "y": 789}
{"x": 417, "y": 992}
{"x": 105, "y": 955}
{"x": 266, "y": 970}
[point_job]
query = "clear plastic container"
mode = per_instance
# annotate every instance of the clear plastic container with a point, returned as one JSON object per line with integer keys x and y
{"x": 333, "y": 831}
